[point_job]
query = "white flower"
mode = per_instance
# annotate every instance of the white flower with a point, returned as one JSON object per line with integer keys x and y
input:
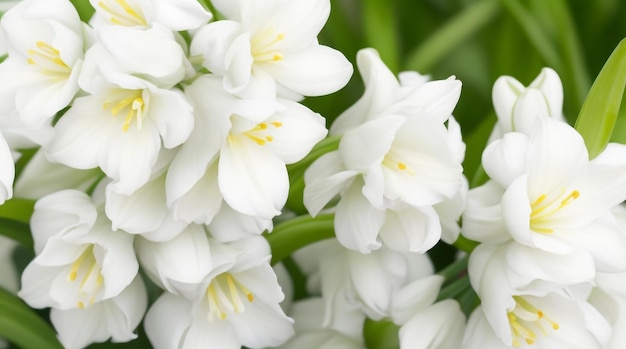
{"x": 547, "y": 195}
{"x": 438, "y": 326}
{"x": 145, "y": 211}
{"x": 80, "y": 259}
{"x": 394, "y": 166}
{"x": 517, "y": 106}
{"x": 46, "y": 43}
{"x": 238, "y": 150}
{"x": 121, "y": 129}
{"x": 272, "y": 42}
{"x": 235, "y": 305}
{"x": 609, "y": 297}
{"x": 176, "y": 15}
{"x": 380, "y": 283}
{"x": 547, "y": 322}
{"x": 41, "y": 177}
{"x": 115, "y": 318}
{"x": 7, "y": 174}
{"x": 535, "y": 311}
{"x": 84, "y": 270}
{"x": 308, "y": 315}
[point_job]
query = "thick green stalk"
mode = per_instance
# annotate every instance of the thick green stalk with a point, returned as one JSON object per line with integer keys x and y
{"x": 296, "y": 233}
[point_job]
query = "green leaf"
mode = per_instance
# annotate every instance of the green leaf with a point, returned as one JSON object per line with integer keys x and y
{"x": 451, "y": 35}
{"x": 597, "y": 116}
{"x": 531, "y": 26}
{"x": 380, "y": 30}
{"x": 18, "y": 231}
{"x": 18, "y": 209}
{"x": 22, "y": 326}
{"x": 296, "y": 233}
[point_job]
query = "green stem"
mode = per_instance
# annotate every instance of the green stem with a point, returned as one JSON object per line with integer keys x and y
{"x": 381, "y": 334}
{"x": 469, "y": 301}
{"x": 452, "y": 271}
{"x": 324, "y": 146}
{"x": 294, "y": 234}
{"x": 464, "y": 244}
{"x": 454, "y": 289}
{"x": 451, "y": 35}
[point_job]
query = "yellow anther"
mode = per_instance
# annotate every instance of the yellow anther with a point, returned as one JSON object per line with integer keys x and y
{"x": 401, "y": 166}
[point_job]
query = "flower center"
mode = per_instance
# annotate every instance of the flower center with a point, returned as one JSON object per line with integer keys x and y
{"x": 544, "y": 207}
{"x": 48, "y": 60}
{"x": 525, "y": 319}
{"x": 259, "y": 135}
{"x": 224, "y": 294}
{"x": 121, "y": 13}
{"x": 86, "y": 271}
{"x": 394, "y": 161}
{"x": 129, "y": 103}
{"x": 263, "y": 45}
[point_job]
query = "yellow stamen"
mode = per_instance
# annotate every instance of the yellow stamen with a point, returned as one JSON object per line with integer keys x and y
{"x": 224, "y": 293}
{"x": 125, "y": 15}
{"x": 48, "y": 60}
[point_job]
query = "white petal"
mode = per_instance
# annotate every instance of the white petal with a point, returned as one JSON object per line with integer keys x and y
{"x": 357, "y": 223}
{"x": 252, "y": 180}
{"x": 184, "y": 259}
{"x": 441, "y": 325}
{"x": 411, "y": 229}
{"x": 300, "y": 130}
{"x": 366, "y": 145}
{"x": 505, "y": 159}
{"x": 414, "y": 298}
{"x": 380, "y": 90}
{"x": 324, "y": 179}
{"x": 172, "y": 116}
{"x": 181, "y": 15}
{"x": 483, "y": 220}
{"x": 506, "y": 90}
{"x": 7, "y": 175}
{"x": 167, "y": 321}
{"x": 316, "y": 71}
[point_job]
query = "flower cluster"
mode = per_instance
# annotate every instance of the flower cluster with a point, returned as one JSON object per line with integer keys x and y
{"x": 167, "y": 153}
{"x": 164, "y": 138}
{"x": 547, "y": 223}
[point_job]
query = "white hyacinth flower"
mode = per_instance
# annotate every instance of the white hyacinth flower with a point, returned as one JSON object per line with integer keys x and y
{"x": 396, "y": 159}
{"x": 517, "y": 106}
{"x": 176, "y": 15}
{"x": 236, "y": 304}
{"x": 540, "y": 314}
{"x": 264, "y": 44}
{"x": 545, "y": 194}
{"x": 238, "y": 151}
{"x": 308, "y": 315}
{"x": 122, "y": 129}
{"x": 46, "y": 43}
{"x": 84, "y": 270}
